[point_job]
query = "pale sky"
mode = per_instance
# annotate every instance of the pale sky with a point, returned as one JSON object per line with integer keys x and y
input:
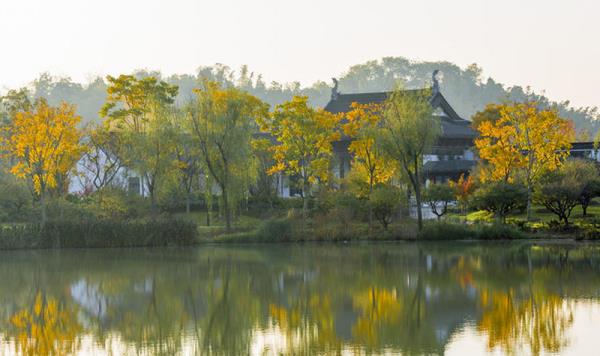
{"x": 551, "y": 45}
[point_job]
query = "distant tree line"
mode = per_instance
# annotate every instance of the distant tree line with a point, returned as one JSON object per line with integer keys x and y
{"x": 465, "y": 88}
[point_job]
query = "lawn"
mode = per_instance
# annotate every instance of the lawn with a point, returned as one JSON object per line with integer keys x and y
{"x": 541, "y": 216}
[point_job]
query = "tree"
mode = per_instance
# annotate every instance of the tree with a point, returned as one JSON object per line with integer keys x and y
{"x": 44, "y": 145}
{"x": 436, "y": 194}
{"x": 500, "y": 198}
{"x": 560, "y": 191}
{"x": 265, "y": 188}
{"x": 491, "y": 114}
{"x": 409, "y": 130}
{"x": 13, "y": 102}
{"x": 463, "y": 189}
{"x": 222, "y": 122}
{"x": 369, "y": 161}
{"x": 188, "y": 157}
{"x": 384, "y": 202}
{"x": 101, "y": 159}
{"x": 140, "y": 112}
{"x": 304, "y": 136}
{"x": 590, "y": 191}
{"x": 527, "y": 138}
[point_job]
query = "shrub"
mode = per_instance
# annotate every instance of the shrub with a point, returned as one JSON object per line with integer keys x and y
{"x": 446, "y": 231}
{"x": 449, "y": 231}
{"x": 99, "y": 233}
{"x": 335, "y": 225}
{"x": 275, "y": 230}
{"x": 498, "y": 232}
{"x": 385, "y": 201}
{"x": 15, "y": 199}
{"x": 500, "y": 198}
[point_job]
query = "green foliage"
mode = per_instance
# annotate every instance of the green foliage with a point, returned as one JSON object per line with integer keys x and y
{"x": 446, "y": 231}
{"x": 561, "y": 191}
{"x": 498, "y": 232}
{"x": 222, "y": 121}
{"x": 275, "y": 230}
{"x": 452, "y": 231}
{"x": 439, "y": 194}
{"x": 115, "y": 204}
{"x": 385, "y": 201}
{"x": 327, "y": 200}
{"x": 590, "y": 191}
{"x": 15, "y": 199}
{"x": 92, "y": 233}
{"x": 408, "y": 131}
{"x": 500, "y": 198}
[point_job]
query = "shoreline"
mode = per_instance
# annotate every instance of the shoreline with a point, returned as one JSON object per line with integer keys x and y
{"x": 174, "y": 232}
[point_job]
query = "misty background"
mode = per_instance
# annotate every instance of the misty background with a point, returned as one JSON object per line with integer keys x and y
{"x": 465, "y": 88}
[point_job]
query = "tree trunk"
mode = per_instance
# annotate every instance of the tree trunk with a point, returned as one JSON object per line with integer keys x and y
{"x": 226, "y": 208}
{"x": 529, "y": 184}
{"x": 43, "y": 206}
{"x": 371, "y": 205}
{"x": 529, "y": 202}
{"x": 417, "y": 186}
{"x": 305, "y": 188}
{"x": 187, "y": 204}
{"x": 419, "y": 212}
{"x": 152, "y": 200}
{"x": 584, "y": 208}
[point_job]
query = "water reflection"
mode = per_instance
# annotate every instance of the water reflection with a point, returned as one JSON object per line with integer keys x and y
{"x": 408, "y": 298}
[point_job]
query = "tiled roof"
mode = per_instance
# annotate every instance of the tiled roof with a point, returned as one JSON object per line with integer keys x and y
{"x": 457, "y": 165}
{"x": 453, "y": 126}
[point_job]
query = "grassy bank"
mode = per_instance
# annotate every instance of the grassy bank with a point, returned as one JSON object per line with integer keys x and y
{"x": 185, "y": 231}
{"x": 93, "y": 233}
{"x": 286, "y": 230}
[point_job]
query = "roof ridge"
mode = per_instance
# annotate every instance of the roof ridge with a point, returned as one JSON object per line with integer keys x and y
{"x": 380, "y": 92}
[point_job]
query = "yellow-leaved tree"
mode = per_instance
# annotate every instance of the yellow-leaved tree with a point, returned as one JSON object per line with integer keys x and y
{"x": 525, "y": 138}
{"x": 304, "y": 142}
{"x": 369, "y": 162}
{"x": 44, "y": 146}
{"x": 222, "y": 121}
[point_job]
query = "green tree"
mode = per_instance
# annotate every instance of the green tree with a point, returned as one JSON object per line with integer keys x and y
{"x": 222, "y": 121}
{"x": 590, "y": 191}
{"x": 188, "y": 156}
{"x": 140, "y": 111}
{"x": 500, "y": 198}
{"x": 439, "y": 194}
{"x": 384, "y": 202}
{"x": 409, "y": 130}
{"x": 561, "y": 191}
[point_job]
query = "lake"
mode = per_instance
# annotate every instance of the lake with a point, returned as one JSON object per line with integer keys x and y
{"x": 454, "y": 298}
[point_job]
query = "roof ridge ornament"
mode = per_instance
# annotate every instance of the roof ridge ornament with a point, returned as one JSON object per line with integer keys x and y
{"x": 334, "y": 91}
{"x": 435, "y": 88}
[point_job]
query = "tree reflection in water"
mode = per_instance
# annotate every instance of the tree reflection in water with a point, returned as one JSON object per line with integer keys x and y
{"x": 45, "y": 328}
{"x": 408, "y": 298}
{"x": 539, "y": 322}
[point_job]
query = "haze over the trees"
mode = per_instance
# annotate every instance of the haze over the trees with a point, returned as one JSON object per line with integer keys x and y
{"x": 465, "y": 88}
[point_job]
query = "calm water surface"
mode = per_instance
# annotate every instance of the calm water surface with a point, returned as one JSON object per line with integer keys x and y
{"x": 404, "y": 298}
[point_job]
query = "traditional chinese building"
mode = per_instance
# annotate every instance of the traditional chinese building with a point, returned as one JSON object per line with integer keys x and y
{"x": 452, "y": 154}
